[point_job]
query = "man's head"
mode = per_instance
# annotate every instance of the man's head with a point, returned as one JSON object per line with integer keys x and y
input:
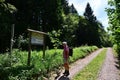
{"x": 64, "y": 43}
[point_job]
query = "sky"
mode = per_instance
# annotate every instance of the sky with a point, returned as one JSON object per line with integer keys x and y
{"x": 98, "y": 7}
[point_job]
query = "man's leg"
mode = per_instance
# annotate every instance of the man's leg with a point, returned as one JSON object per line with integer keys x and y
{"x": 66, "y": 65}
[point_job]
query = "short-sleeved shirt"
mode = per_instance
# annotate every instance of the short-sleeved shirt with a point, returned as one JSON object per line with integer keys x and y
{"x": 66, "y": 52}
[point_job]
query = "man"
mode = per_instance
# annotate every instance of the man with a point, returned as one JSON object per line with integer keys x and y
{"x": 66, "y": 58}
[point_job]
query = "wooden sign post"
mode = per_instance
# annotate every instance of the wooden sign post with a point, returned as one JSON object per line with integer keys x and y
{"x": 11, "y": 41}
{"x": 12, "y": 36}
{"x": 36, "y": 38}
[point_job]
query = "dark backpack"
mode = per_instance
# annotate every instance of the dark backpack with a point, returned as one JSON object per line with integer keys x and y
{"x": 70, "y": 51}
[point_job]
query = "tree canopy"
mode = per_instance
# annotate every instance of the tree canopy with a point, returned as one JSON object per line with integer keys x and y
{"x": 114, "y": 22}
{"x": 89, "y": 13}
{"x": 49, "y": 16}
{"x": 6, "y": 19}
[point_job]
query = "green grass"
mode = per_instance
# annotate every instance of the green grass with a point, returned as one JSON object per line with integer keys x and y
{"x": 90, "y": 72}
{"x": 53, "y": 59}
{"x": 81, "y": 52}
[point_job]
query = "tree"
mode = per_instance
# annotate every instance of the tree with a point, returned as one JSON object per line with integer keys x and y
{"x": 73, "y": 9}
{"x": 81, "y": 33}
{"x": 68, "y": 29}
{"x": 65, "y": 6}
{"x": 6, "y": 20}
{"x": 27, "y": 15}
{"x": 42, "y": 15}
{"x": 91, "y": 34}
{"x": 89, "y": 13}
{"x": 90, "y": 31}
{"x": 52, "y": 15}
{"x": 114, "y": 22}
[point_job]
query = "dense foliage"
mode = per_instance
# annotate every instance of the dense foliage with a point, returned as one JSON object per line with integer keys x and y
{"x": 49, "y": 16}
{"x": 114, "y": 22}
{"x": 89, "y": 13}
{"x": 6, "y": 19}
{"x": 90, "y": 31}
{"x": 14, "y": 67}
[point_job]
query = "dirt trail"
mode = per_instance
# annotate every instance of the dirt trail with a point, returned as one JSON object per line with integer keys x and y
{"x": 80, "y": 64}
{"x": 109, "y": 69}
{"x": 76, "y": 67}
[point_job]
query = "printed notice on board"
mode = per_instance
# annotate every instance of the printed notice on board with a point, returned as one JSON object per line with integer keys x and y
{"x": 37, "y": 39}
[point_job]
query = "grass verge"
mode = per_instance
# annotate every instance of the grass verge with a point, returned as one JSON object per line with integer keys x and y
{"x": 15, "y": 67}
{"x": 90, "y": 72}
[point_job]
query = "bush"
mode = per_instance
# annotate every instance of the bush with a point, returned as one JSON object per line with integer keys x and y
{"x": 22, "y": 43}
{"x": 117, "y": 49}
{"x": 39, "y": 66}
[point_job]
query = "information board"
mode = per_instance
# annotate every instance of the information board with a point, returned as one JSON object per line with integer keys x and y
{"x": 37, "y": 39}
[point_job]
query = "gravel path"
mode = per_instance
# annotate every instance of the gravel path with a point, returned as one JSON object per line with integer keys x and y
{"x": 80, "y": 64}
{"x": 109, "y": 70}
{"x": 76, "y": 67}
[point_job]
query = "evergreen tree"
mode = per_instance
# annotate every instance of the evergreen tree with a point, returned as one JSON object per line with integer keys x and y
{"x": 73, "y": 9}
{"x": 52, "y": 15}
{"x": 89, "y": 13}
{"x": 6, "y": 21}
{"x": 88, "y": 29}
{"x": 65, "y": 6}
{"x": 42, "y": 15}
{"x": 45, "y": 15}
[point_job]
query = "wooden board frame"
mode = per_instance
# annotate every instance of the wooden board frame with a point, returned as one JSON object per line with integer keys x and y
{"x": 39, "y": 33}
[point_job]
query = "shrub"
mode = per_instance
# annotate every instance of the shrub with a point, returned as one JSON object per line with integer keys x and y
{"x": 39, "y": 66}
